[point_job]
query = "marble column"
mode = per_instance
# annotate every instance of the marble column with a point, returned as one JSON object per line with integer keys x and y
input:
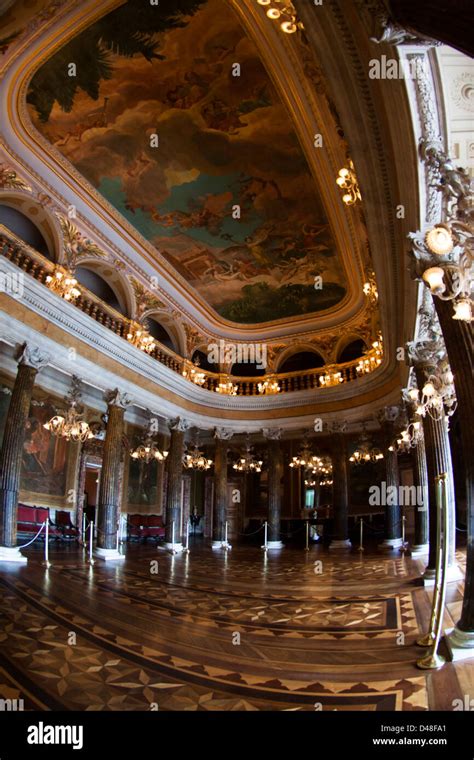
{"x": 30, "y": 361}
{"x": 174, "y": 468}
{"x": 275, "y": 475}
{"x": 222, "y": 436}
{"x": 420, "y": 471}
{"x": 340, "y": 490}
{"x": 110, "y": 478}
{"x": 438, "y": 460}
{"x": 393, "y": 513}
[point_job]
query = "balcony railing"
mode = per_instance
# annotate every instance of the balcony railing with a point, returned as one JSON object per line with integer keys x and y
{"x": 38, "y": 266}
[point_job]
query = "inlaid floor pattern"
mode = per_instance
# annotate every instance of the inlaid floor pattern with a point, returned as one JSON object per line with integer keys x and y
{"x": 221, "y": 631}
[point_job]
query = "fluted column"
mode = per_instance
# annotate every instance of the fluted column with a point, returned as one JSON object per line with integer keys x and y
{"x": 340, "y": 489}
{"x": 393, "y": 513}
{"x": 110, "y": 481}
{"x": 174, "y": 468}
{"x": 438, "y": 461}
{"x": 421, "y": 545}
{"x": 275, "y": 475}
{"x": 222, "y": 436}
{"x": 30, "y": 361}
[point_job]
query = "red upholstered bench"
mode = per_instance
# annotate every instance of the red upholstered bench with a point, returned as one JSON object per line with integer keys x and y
{"x": 27, "y": 519}
{"x": 63, "y": 526}
{"x": 145, "y": 526}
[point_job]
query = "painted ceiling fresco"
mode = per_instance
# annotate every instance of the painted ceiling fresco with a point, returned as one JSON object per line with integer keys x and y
{"x": 223, "y": 141}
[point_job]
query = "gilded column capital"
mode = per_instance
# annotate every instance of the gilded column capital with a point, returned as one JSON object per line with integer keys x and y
{"x": 178, "y": 424}
{"x": 223, "y": 434}
{"x": 272, "y": 434}
{"x": 117, "y": 398}
{"x": 32, "y": 356}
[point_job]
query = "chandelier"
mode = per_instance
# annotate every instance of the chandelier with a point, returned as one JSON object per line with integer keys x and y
{"x": 147, "y": 450}
{"x": 365, "y": 452}
{"x": 321, "y": 466}
{"x": 331, "y": 378}
{"x": 247, "y": 461}
{"x": 370, "y": 288}
{"x": 452, "y": 243}
{"x": 194, "y": 458}
{"x": 269, "y": 387}
{"x": 409, "y": 438}
{"x": 71, "y": 427}
{"x": 139, "y": 337}
{"x": 63, "y": 284}
{"x": 227, "y": 387}
{"x": 372, "y": 358}
{"x": 191, "y": 372}
{"x": 304, "y": 458}
{"x": 437, "y": 396}
{"x": 284, "y": 12}
{"x": 347, "y": 181}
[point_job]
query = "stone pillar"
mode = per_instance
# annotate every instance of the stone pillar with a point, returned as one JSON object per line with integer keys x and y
{"x": 222, "y": 436}
{"x": 110, "y": 478}
{"x": 438, "y": 460}
{"x": 340, "y": 493}
{"x": 393, "y": 513}
{"x": 275, "y": 475}
{"x": 30, "y": 361}
{"x": 421, "y": 545}
{"x": 174, "y": 468}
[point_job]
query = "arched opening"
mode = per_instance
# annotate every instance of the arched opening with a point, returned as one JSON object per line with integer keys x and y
{"x": 160, "y": 333}
{"x": 24, "y": 228}
{"x": 204, "y": 363}
{"x": 302, "y": 361}
{"x": 99, "y": 287}
{"x": 244, "y": 369}
{"x": 354, "y": 350}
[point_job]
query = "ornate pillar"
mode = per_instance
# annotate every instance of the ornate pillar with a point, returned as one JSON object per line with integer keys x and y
{"x": 222, "y": 436}
{"x": 174, "y": 468}
{"x": 110, "y": 479}
{"x": 393, "y": 513}
{"x": 340, "y": 477}
{"x": 275, "y": 475}
{"x": 30, "y": 361}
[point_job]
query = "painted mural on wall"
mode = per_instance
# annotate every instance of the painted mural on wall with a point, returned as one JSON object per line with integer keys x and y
{"x": 142, "y": 483}
{"x": 156, "y": 121}
{"x": 44, "y": 456}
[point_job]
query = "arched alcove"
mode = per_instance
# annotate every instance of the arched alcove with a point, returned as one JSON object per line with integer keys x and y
{"x": 303, "y": 360}
{"x": 97, "y": 285}
{"x": 244, "y": 369}
{"x": 204, "y": 363}
{"x": 160, "y": 333}
{"x": 353, "y": 350}
{"x": 22, "y": 226}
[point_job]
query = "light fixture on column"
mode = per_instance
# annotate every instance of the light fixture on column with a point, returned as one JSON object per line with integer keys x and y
{"x": 437, "y": 398}
{"x": 365, "y": 451}
{"x": 410, "y": 437}
{"x": 147, "y": 450}
{"x": 331, "y": 378}
{"x": 284, "y": 12}
{"x": 372, "y": 357}
{"x": 248, "y": 462}
{"x": 347, "y": 181}
{"x": 191, "y": 372}
{"x": 370, "y": 288}
{"x": 139, "y": 337}
{"x": 71, "y": 427}
{"x": 194, "y": 458}
{"x": 63, "y": 283}
{"x": 269, "y": 387}
{"x": 226, "y": 387}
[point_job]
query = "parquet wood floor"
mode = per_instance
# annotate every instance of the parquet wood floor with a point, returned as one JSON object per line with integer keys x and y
{"x": 216, "y": 631}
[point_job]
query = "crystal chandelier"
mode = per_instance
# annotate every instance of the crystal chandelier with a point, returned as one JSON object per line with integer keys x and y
{"x": 191, "y": 372}
{"x": 437, "y": 396}
{"x": 284, "y": 12}
{"x": 247, "y": 461}
{"x": 139, "y": 336}
{"x": 309, "y": 461}
{"x": 408, "y": 438}
{"x": 194, "y": 458}
{"x": 71, "y": 427}
{"x": 321, "y": 466}
{"x": 331, "y": 378}
{"x": 269, "y": 387}
{"x": 64, "y": 284}
{"x": 365, "y": 452}
{"x": 227, "y": 387}
{"x": 372, "y": 358}
{"x": 147, "y": 450}
{"x": 347, "y": 181}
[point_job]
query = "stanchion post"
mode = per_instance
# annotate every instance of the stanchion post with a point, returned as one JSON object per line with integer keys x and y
{"x": 46, "y": 562}
{"x": 173, "y": 550}
{"x": 434, "y": 660}
{"x": 307, "y": 537}
{"x": 91, "y": 542}
{"x": 186, "y": 546}
{"x": 83, "y": 534}
{"x": 361, "y": 535}
{"x": 265, "y": 542}
{"x": 403, "y": 547}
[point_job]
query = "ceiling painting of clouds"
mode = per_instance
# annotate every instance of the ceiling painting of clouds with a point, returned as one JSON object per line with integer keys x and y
{"x": 226, "y": 196}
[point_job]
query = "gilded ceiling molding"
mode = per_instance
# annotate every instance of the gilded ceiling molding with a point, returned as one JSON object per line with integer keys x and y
{"x": 76, "y": 246}
{"x": 9, "y": 180}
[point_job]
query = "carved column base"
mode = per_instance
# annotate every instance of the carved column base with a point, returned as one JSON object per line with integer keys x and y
{"x": 221, "y": 545}
{"x": 419, "y": 550}
{"x": 173, "y": 548}
{"x": 344, "y": 543}
{"x": 460, "y": 644}
{"x": 274, "y": 545}
{"x": 391, "y": 543}
{"x": 108, "y": 554}
{"x": 12, "y": 554}
{"x": 453, "y": 573}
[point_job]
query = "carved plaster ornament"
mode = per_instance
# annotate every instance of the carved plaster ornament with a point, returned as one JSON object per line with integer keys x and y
{"x": 32, "y": 356}
{"x": 338, "y": 426}
{"x": 385, "y": 29}
{"x": 76, "y": 245}
{"x": 145, "y": 300}
{"x": 117, "y": 398}
{"x": 10, "y": 179}
{"x": 223, "y": 434}
{"x": 273, "y": 434}
{"x": 178, "y": 424}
